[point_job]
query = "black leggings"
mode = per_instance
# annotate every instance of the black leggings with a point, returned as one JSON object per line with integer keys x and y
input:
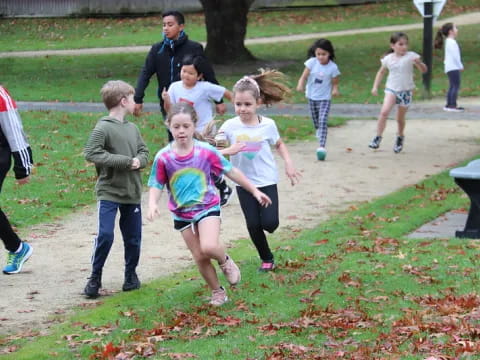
{"x": 9, "y": 237}
{"x": 259, "y": 218}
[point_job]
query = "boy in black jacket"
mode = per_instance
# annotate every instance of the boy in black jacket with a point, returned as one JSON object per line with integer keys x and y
{"x": 13, "y": 143}
{"x": 165, "y": 60}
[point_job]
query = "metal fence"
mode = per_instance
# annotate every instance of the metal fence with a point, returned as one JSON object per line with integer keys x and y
{"x": 52, "y": 8}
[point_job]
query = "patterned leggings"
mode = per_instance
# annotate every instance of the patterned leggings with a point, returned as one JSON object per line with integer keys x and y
{"x": 319, "y": 110}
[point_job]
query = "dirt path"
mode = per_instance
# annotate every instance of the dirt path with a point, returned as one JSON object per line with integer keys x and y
{"x": 55, "y": 276}
{"x": 464, "y": 19}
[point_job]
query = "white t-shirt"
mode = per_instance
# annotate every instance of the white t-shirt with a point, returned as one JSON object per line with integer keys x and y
{"x": 400, "y": 71}
{"x": 200, "y": 97}
{"x": 453, "y": 60}
{"x": 319, "y": 82}
{"x": 256, "y": 160}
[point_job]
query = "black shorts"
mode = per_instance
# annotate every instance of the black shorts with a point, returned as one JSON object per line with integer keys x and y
{"x": 183, "y": 225}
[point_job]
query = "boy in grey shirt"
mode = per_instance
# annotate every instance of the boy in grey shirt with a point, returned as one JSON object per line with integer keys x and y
{"x": 118, "y": 151}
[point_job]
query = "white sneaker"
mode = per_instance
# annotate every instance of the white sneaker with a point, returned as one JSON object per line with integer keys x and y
{"x": 219, "y": 297}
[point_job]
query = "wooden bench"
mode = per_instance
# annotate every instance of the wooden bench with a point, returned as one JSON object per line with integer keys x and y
{"x": 468, "y": 178}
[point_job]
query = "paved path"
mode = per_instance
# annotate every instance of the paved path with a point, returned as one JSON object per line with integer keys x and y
{"x": 419, "y": 110}
{"x": 464, "y": 19}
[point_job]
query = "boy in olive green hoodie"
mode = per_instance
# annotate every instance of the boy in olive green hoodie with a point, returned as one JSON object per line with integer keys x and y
{"x": 118, "y": 151}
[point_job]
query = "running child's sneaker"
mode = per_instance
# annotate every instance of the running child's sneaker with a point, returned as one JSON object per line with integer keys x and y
{"x": 454, "y": 109}
{"x": 321, "y": 153}
{"x": 267, "y": 266}
{"x": 219, "y": 297}
{"x": 375, "y": 143}
{"x": 398, "y": 144}
{"x": 93, "y": 286}
{"x": 231, "y": 271}
{"x": 225, "y": 195}
{"x": 15, "y": 261}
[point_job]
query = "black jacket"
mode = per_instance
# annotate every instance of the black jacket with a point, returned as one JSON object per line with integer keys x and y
{"x": 166, "y": 61}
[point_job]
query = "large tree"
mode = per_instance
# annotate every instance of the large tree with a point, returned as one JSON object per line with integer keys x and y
{"x": 226, "y": 22}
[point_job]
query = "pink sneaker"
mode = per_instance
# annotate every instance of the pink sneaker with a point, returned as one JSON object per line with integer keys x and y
{"x": 267, "y": 266}
{"x": 219, "y": 297}
{"x": 231, "y": 271}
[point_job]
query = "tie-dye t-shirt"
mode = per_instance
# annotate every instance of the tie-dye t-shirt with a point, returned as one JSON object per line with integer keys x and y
{"x": 256, "y": 159}
{"x": 192, "y": 192}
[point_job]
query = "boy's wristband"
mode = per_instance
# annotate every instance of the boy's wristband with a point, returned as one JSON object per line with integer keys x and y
{"x": 219, "y": 102}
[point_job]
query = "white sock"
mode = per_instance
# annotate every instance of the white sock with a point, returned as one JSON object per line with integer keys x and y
{"x": 19, "y": 248}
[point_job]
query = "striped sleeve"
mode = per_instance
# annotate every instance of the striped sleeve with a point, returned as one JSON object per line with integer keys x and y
{"x": 12, "y": 130}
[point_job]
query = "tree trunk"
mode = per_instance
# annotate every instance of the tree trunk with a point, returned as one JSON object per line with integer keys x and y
{"x": 226, "y": 22}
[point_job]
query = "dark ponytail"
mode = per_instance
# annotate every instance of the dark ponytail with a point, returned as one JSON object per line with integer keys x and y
{"x": 441, "y": 33}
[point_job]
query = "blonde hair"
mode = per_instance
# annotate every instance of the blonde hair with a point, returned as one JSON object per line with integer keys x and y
{"x": 114, "y": 91}
{"x": 268, "y": 86}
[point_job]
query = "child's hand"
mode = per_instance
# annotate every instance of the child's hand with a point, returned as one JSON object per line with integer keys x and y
{"x": 299, "y": 88}
{"x": 23, "y": 181}
{"x": 375, "y": 92}
{"x": 236, "y": 148}
{"x": 165, "y": 95}
{"x": 137, "y": 111}
{"x": 135, "y": 164}
{"x": 292, "y": 174}
{"x": 153, "y": 212}
{"x": 335, "y": 92}
{"x": 263, "y": 199}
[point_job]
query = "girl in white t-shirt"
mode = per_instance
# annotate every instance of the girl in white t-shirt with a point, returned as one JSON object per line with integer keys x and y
{"x": 250, "y": 137}
{"x": 453, "y": 63}
{"x": 399, "y": 87}
{"x": 321, "y": 75}
{"x": 200, "y": 94}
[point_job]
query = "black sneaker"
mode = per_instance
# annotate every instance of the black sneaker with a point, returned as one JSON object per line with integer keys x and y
{"x": 131, "y": 282}
{"x": 225, "y": 195}
{"x": 93, "y": 285}
{"x": 375, "y": 143}
{"x": 398, "y": 144}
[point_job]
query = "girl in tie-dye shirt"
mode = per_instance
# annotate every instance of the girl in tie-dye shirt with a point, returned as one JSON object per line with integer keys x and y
{"x": 185, "y": 168}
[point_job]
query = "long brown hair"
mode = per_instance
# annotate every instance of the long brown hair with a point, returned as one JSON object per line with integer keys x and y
{"x": 442, "y": 33}
{"x": 268, "y": 86}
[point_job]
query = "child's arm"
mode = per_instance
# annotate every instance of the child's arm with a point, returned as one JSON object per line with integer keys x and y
{"x": 96, "y": 153}
{"x": 142, "y": 154}
{"x": 291, "y": 172}
{"x": 303, "y": 79}
{"x": 237, "y": 176}
{"x": 228, "y": 94}
{"x": 335, "y": 82}
{"x": 233, "y": 149}
{"x": 167, "y": 102}
{"x": 420, "y": 65}
{"x": 153, "y": 198}
{"x": 378, "y": 79}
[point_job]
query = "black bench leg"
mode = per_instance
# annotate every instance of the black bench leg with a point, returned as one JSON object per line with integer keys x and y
{"x": 472, "y": 226}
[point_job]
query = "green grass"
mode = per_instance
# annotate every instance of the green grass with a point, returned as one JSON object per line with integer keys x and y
{"x": 71, "y": 33}
{"x": 79, "y": 78}
{"x": 353, "y": 285}
{"x": 64, "y": 181}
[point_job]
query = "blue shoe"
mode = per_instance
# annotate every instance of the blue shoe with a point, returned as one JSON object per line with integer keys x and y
{"x": 321, "y": 153}
{"x": 15, "y": 261}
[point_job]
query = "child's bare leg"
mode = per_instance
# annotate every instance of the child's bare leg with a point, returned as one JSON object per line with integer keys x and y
{"x": 388, "y": 104}
{"x": 203, "y": 261}
{"x": 401, "y": 112}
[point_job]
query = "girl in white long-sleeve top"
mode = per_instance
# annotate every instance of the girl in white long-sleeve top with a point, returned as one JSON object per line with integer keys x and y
{"x": 453, "y": 63}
